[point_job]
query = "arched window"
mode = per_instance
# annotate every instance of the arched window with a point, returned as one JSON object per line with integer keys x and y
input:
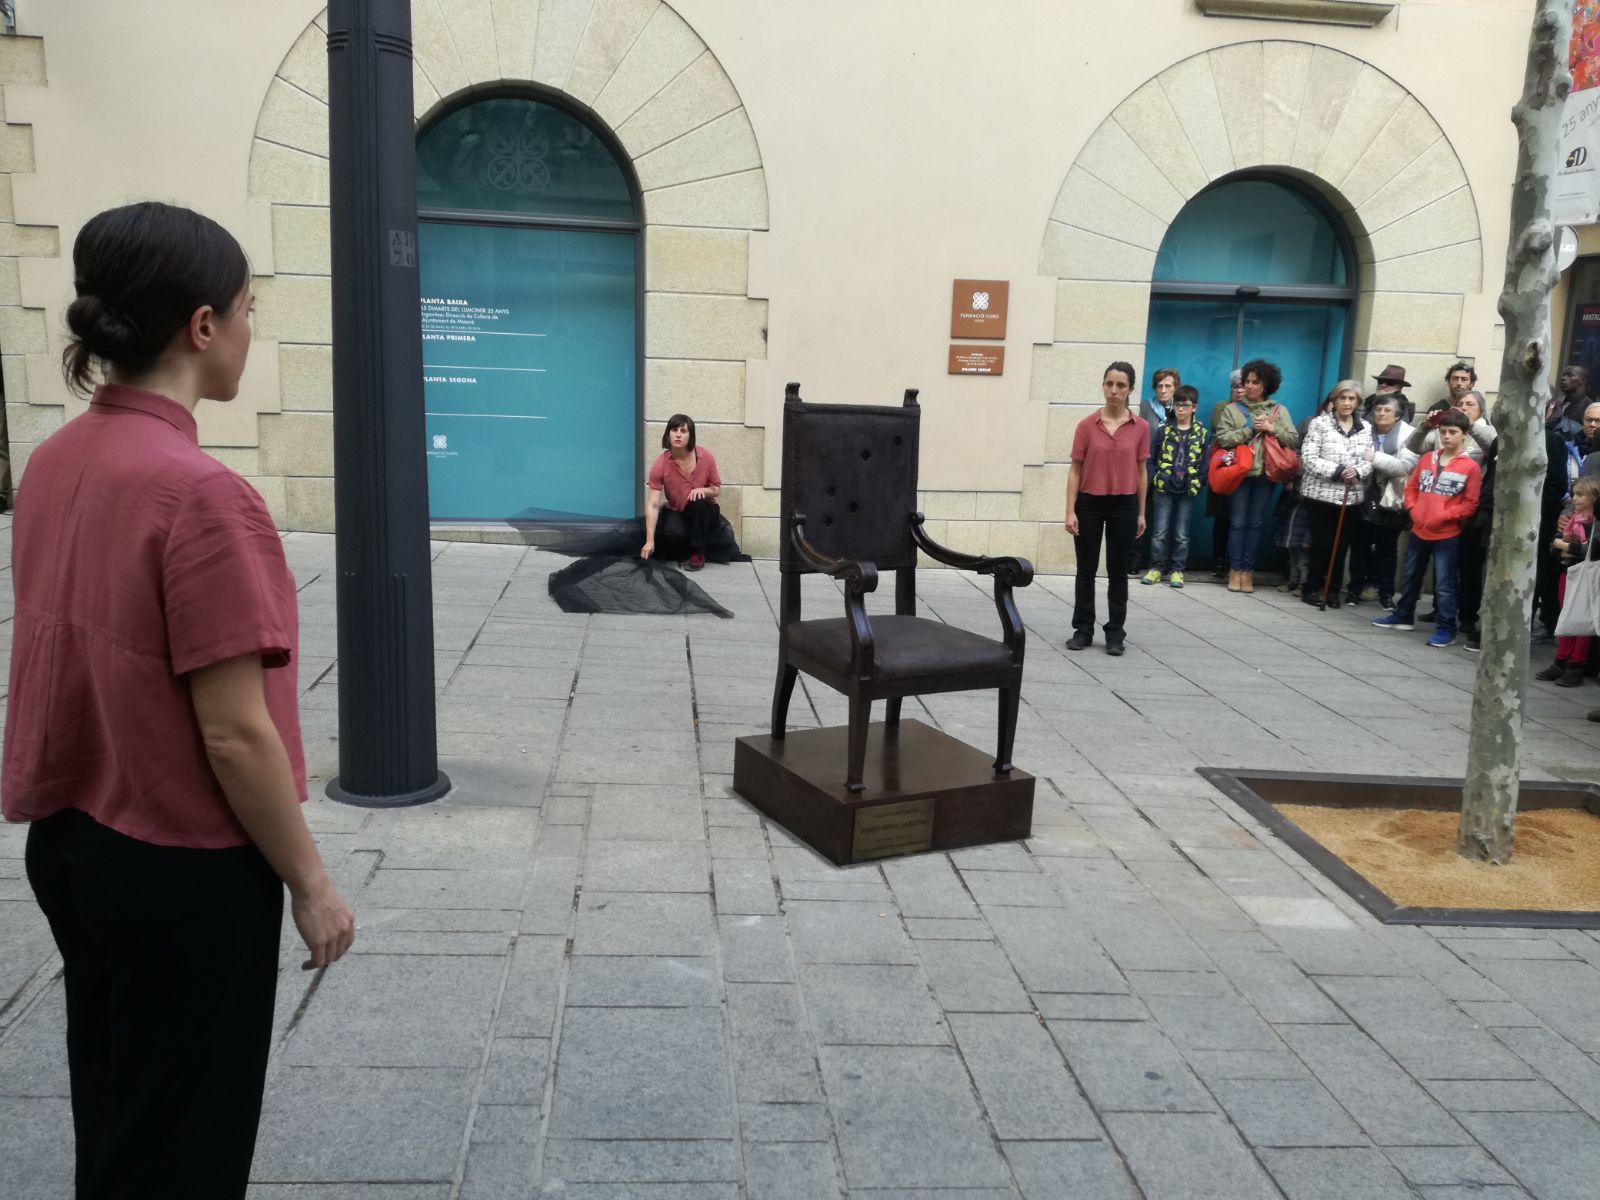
{"x": 1252, "y": 268}
{"x": 528, "y": 219}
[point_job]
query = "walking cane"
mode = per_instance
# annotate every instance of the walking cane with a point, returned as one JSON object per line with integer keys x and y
{"x": 1338, "y": 536}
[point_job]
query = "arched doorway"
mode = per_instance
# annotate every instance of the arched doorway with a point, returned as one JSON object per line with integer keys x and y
{"x": 530, "y": 259}
{"x": 1252, "y": 267}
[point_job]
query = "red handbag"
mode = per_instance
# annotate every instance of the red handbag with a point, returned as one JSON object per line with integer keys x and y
{"x": 1282, "y": 464}
{"x": 1229, "y": 467}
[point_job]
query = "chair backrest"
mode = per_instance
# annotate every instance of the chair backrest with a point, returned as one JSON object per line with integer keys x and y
{"x": 852, "y": 470}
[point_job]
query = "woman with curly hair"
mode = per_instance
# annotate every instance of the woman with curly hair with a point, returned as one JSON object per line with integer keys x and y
{"x": 1252, "y": 421}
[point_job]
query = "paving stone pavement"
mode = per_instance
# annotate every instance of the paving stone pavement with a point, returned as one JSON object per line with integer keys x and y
{"x": 593, "y": 972}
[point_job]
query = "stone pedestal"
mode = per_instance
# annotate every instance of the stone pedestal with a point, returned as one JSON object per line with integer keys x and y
{"x": 924, "y": 791}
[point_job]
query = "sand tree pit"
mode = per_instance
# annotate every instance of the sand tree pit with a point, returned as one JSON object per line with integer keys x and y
{"x": 1390, "y": 843}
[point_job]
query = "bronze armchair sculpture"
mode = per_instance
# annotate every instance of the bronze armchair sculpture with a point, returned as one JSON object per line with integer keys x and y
{"x": 849, "y": 499}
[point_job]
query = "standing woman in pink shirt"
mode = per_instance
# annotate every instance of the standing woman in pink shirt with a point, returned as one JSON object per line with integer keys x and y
{"x": 152, "y": 737}
{"x": 684, "y": 478}
{"x": 1105, "y": 498}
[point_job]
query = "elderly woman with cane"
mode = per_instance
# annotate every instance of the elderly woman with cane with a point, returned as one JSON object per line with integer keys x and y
{"x": 1335, "y": 467}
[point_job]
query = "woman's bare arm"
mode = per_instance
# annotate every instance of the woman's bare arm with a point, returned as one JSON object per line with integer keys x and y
{"x": 250, "y": 762}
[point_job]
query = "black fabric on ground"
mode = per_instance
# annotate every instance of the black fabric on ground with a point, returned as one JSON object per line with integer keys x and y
{"x": 624, "y": 539}
{"x": 612, "y": 583}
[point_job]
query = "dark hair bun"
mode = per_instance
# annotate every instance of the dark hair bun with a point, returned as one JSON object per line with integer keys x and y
{"x": 141, "y": 272}
{"x": 104, "y": 331}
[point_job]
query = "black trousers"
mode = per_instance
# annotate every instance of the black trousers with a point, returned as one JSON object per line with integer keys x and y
{"x": 171, "y": 962}
{"x": 1116, "y": 520}
{"x": 1471, "y": 566}
{"x": 680, "y": 534}
{"x": 1373, "y": 555}
{"x": 1221, "y": 509}
{"x": 1324, "y": 521}
{"x": 1546, "y": 601}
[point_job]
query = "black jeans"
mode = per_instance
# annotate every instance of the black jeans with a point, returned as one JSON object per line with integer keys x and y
{"x": 1374, "y": 556}
{"x": 1324, "y": 521}
{"x": 171, "y": 960}
{"x": 1116, "y": 518}
{"x": 680, "y": 534}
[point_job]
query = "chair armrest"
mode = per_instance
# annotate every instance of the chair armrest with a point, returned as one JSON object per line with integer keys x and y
{"x": 1014, "y": 572}
{"x": 859, "y": 579}
{"x": 1008, "y": 573}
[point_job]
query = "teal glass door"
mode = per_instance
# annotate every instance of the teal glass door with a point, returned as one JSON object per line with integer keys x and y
{"x": 1206, "y": 339}
{"x": 1251, "y": 268}
{"x": 528, "y": 373}
{"x": 528, "y": 227}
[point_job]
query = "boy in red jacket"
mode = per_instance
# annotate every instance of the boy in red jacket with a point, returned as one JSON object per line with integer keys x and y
{"x": 1441, "y": 495}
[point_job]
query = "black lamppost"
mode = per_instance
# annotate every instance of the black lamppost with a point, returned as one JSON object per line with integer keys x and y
{"x": 388, "y": 748}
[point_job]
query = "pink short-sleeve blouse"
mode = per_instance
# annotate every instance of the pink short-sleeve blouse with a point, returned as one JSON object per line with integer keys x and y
{"x": 137, "y": 558}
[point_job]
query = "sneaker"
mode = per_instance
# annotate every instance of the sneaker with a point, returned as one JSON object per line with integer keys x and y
{"x": 1386, "y": 603}
{"x": 1176, "y": 579}
{"x": 1080, "y": 641}
{"x": 1474, "y": 644}
{"x": 1116, "y": 649}
{"x": 1441, "y": 638}
{"x": 1153, "y": 575}
{"x": 1390, "y": 621}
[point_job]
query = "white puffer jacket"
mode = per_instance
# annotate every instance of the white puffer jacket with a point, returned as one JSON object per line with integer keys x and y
{"x": 1325, "y": 454}
{"x": 1392, "y": 461}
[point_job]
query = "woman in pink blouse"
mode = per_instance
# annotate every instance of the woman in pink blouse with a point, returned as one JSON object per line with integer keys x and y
{"x": 685, "y": 478}
{"x": 152, "y": 737}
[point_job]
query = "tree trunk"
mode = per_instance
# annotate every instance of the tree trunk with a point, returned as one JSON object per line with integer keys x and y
{"x": 1489, "y": 805}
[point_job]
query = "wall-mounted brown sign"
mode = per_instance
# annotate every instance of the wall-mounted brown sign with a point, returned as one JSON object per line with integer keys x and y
{"x": 978, "y": 308}
{"x": 977, "y": 360}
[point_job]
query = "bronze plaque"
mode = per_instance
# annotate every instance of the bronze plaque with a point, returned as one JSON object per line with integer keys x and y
{"x": 977, "y": 360}
{"x": 887, "y": 829}
{"x": 978, "y": 308}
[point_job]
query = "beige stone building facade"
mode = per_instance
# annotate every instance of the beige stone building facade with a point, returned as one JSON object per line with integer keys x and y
{"x": 813, "y": 176}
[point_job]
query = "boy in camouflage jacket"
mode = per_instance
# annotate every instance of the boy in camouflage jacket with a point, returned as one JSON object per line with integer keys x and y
{"x": 1178, "y": 456}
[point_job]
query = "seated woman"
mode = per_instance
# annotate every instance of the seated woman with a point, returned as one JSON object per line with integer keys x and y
{"x": 685, "y": 477}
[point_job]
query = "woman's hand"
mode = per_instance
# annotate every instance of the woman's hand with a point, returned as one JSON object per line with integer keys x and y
{"x": 1560, "y": 546}
{"x": 649, "y": 549}
{"x": 1368, "y": 455}
{"x": 701, "y": 494}
{"x": 326, "y": 925}
{"x": 1072, "y": 523}
{"x": 1349, "y": 475}
{"x": 1140, "y": 532}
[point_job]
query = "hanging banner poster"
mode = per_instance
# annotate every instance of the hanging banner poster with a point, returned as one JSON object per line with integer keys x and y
{"x": 529, "y": 376}
{"x": 1585, "y": 339}
{"x": 1575, "y": 190}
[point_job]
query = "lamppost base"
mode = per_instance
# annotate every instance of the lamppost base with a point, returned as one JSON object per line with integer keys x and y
{"x": 426, "y": 795}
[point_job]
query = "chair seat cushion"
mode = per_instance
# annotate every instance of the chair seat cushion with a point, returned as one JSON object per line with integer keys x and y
{"x": 903, "y": 647}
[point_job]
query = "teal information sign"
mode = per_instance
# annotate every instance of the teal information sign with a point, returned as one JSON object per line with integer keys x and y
{"x": 529, "y": 376}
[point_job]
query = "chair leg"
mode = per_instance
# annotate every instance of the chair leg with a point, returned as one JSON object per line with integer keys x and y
{"x": 1010, "y": 698}
{"x": 860, "y": 718}
{"x": 781, "y": 692}
{"x": 891, "y": 714}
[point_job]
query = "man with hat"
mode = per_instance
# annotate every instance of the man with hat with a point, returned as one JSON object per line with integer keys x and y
{"x": 1392, "y": 381}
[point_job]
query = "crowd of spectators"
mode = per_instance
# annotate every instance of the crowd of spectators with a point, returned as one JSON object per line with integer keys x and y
{"x": 1360, "y": 478}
